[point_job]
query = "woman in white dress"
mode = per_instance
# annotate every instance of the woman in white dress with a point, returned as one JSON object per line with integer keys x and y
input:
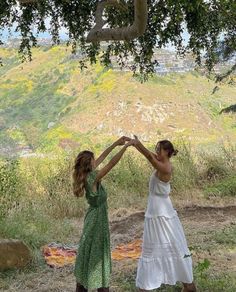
{"x": 165, "y": 257}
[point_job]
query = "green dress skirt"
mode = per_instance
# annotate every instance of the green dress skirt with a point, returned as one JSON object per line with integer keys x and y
{"x": 93, "y": 262}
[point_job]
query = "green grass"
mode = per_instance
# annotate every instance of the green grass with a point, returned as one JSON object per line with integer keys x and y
{"x": 226, "y": 237}
{"x": 222, "y": 188}
{"x": 167, "y": 80}
{"x": 9, "y": 63}
{"x": 34, "y": 228}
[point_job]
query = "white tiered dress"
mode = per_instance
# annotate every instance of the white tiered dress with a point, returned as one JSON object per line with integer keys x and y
{"x": 165, "y": 257}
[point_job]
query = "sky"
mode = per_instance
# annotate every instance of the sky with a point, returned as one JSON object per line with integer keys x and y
{"x": 13, "y": 34}
{"x": 64, "y": 36}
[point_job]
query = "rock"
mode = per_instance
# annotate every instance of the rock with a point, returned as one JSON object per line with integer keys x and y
{"x": 100, "y": 127}
{"x": 120, "y": 132}
{"x": 144, "y": 138}
{"x": 122, "y": 105}
{"x": 68, "y": 144}
{"x": 172, "y": 126}
{"x": 50, "y": 125}
{"x": 13, "y": 254}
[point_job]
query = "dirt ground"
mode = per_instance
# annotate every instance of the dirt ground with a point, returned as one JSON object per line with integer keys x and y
{"x": 203, "y": 227}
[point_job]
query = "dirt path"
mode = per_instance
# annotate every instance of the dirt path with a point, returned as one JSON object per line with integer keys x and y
{"x": 202, "y": 226}
{"x": 194, "y": 218}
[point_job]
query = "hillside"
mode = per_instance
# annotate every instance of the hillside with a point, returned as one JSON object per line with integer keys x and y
{"x": 49, "y": 103}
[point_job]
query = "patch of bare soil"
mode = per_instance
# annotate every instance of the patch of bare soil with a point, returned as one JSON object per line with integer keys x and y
{"x": 197, "y": 218}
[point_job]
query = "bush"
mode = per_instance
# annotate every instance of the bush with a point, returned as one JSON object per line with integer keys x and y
{"x": 31, "y": 225}
{"x": 59, "y": 197}
{"x": 10, "y": 186}
{"x": 224, "y": 187}
{"x": 217, "y": 163}
{"x": 185, "y": 171}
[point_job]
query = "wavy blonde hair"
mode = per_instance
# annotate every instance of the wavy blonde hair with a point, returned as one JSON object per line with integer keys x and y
{"x": 82, "y": 166}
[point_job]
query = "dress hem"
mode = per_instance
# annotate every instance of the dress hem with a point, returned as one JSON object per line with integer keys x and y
{"x": 92, "y": 287}
{"x": 162, "y": 283}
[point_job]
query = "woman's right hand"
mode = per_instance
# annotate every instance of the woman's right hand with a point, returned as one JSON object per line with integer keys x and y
{"x": 135, "y": 142}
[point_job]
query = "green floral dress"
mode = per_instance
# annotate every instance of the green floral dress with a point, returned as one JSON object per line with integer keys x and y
{"x": 93, "y": 262}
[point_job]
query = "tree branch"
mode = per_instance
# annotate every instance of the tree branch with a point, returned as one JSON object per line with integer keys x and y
{"x": 223, "y": 76}
{"x": 98, "y": 33}
{"x": 27, "y": 1}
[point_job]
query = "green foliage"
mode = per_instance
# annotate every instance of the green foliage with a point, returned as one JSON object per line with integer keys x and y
{"x": 224, "y": 187}
{"x": 34, "y": 227}
{"x": 202, "y": 267}
{"x": 130, "y": 175}
{"x": 205, "y": 22}
{"x": 60, "y": 200}
{"x": 166, "y": 80}
{"x": 43, "y": 98}
{"x": 226, "y": 236}
{"x": 207, "y": 282}
{"x": 51, "y": 89}
{"x": 127, "y": 184}
{"x": 217, "y": 162}
{"x": 34, "y": 98}
{"x": 9, "y": 63}
{"x": 10, "y": 186}
{"x": 7, "y": 142}
{"x": 185, "y": 169}
{"x": 214, "y": 105}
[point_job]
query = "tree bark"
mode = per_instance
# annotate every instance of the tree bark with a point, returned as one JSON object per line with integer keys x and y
{"x": 98, "y": 33}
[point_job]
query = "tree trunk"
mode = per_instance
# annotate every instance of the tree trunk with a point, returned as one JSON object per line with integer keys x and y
{"x": 98, "y": 33}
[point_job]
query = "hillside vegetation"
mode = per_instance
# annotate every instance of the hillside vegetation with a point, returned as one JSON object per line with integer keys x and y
{"x": 50, "y": 103}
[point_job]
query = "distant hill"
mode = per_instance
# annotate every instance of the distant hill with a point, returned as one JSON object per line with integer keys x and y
{"x": 49, "y": 103}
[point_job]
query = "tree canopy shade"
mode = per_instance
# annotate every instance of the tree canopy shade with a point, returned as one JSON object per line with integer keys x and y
{"x": 211, "y": 25}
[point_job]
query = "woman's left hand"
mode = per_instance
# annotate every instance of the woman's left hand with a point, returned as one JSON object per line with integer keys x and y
{"x": 130, "y": 143}
{"x": 122, "y": 140}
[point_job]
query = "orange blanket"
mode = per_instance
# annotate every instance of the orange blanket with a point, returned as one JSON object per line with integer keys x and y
{"x": 58, "y": 255}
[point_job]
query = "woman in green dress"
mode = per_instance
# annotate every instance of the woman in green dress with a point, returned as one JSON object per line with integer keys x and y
{"x": 93, "y": 262}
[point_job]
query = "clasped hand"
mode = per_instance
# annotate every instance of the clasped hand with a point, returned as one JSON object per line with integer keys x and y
{"x": 127, "y": 141}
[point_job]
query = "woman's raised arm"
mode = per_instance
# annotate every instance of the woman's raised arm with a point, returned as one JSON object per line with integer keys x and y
{"x": 101, "y": 173}
{"x": 119, "y": 142}
{"x": 151, "y": 157}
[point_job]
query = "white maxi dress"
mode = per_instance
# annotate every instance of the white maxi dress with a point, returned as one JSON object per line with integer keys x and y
{"x": 165, "y": 257}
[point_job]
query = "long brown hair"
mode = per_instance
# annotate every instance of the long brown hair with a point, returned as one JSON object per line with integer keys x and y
{"x": 83, "y": 165}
